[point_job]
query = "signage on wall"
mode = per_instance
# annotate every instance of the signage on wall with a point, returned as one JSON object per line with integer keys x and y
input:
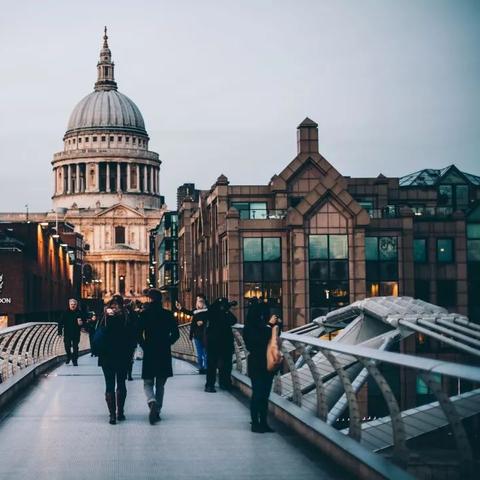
{"x": 7, "y": 300}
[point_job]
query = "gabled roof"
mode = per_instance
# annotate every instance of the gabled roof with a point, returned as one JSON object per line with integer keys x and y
{"x": 430, "y": 176}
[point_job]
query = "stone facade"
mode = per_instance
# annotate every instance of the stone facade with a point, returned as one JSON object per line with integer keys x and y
{"x": 313, "y": 240}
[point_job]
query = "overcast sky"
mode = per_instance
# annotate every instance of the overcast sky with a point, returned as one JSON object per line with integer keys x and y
{"x": 222, "y": 85}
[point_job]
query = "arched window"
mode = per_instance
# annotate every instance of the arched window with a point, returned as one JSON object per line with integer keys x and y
{"x": 119, "y": 234}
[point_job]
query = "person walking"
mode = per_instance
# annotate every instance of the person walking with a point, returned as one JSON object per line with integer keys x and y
{"x": 114, "y": 356}
{"x": 198, "y": 329}
{"x": 158, "y": 330}
{"x": 70, "y": 325}
{"x": 257, "y": 334}
{"x": 219, "y": 344}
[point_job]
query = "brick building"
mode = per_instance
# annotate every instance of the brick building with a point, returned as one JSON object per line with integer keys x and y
{"x": 313, "y": 240}
{"x": 39, "y": 271}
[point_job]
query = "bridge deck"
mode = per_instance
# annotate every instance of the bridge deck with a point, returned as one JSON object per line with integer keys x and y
{"x": 59, "y": 430}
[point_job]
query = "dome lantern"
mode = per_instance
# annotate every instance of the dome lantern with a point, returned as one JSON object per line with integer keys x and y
{"x": 105, "y": 68}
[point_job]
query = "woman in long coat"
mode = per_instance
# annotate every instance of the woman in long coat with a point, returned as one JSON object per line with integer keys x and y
{"x": 158, "y": 330}
{"x": 114, "y": 356}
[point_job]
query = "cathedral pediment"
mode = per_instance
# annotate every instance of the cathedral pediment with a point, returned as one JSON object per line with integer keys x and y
{"x": 120, "y": 211}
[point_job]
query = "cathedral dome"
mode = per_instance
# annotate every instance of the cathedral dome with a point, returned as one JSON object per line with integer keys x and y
{"x": 106, "y": 109}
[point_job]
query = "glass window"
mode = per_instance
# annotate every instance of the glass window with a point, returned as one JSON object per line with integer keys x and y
{"x": 420, "y": 250}
{"x": 119, "y": 234}
{"x": 251, "y": 210}
{"x": 382, "y": 289}
{"x": 371, "y": 248}
{"x": 258, "y": 210}
{"x": 445, "y": 250}
{"x": 387, "y": 248}
{"x": 366, "y": 204}
{"x": 473, "y": 230}
{"x": 252, "y": 249}
{"x": 337, "y": 247}
{"x": 422, "y": 290}
{"x": 318, "y": 246}
{"x": 445, "y": 194}
{"x": 271, "y": 249}
{"x": 461, "y": 196}
{"x": 446, "y": 293}
{"x": 473, "y": 250}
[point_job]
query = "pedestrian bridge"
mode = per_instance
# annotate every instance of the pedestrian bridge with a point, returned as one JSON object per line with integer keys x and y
{"x": 347, "y": 403}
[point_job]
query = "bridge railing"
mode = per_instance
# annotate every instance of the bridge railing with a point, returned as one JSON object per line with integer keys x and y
{"x": 30, "y": 343}
{"x": 422, "y": 414}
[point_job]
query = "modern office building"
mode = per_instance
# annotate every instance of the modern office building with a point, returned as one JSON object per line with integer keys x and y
{"x": 313, "y": 240}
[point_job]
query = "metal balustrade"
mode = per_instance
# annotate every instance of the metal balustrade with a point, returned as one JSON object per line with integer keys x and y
{"x": 30, "y": 343}
{"x": 434, "y": 428}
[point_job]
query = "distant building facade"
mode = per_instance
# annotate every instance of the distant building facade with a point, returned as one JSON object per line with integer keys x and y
{"x": 164, "y": 258}
{"x": 107, "y": 185}
{"x": 313, "y": 240}
{"x": 39, "y": 271}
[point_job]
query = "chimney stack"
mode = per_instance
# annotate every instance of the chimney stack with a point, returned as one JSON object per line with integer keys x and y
{"x": 307, "y": 137}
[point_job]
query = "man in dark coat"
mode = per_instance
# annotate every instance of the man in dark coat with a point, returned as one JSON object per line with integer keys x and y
{"x": 70, "y": 324}
{"x": 158, "y": 330}
{"x": 219, "y": 345}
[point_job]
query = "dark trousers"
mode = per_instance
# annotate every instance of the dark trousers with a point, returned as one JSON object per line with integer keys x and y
{"x": 115, "y": 377}
{"x": 261, "y": 386}
{"x": 221, "y": 360}
{"x": 71, "y": 348}
{"x": 91, "y": 334}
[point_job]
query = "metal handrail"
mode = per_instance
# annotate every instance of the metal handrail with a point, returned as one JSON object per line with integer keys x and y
{"x": 325, "y": 378}
{"x": 29, "y": 343}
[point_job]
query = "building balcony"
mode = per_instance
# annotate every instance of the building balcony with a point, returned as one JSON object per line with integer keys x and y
{"x": 432, "y": 212}
{"x": 263, "y": 214}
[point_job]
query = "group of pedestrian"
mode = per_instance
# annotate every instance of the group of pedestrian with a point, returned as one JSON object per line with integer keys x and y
{"x": 114, "y": 336}
{"x": 211, "y": 332}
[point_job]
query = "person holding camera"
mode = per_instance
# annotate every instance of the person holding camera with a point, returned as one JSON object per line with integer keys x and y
{"x": 114, "y": 355}
{"x": 219, "y": 337}
{"x": 158, "y": 331}
{"x": 198, "y": 329}
{"x": 70, "y": 325}
{"x": 257, "y": 334}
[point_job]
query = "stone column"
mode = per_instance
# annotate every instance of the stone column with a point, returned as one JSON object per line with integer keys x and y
{"x": 119, "y": 185}
{"x": 145, "y": 186}
{"x": 128, "y": 279}
{"x": 138, "y": 177}
{"x": 69, "y": 179}
{"x": 152, "y": 182}
{"x": 129, "y": 179}
{"x": 107, "y": 173}
{"x": 117, "y": 278}
{"x": 77, "y": 180}
{"x": 107, "y": 276}
{"x": 103, "y": 285}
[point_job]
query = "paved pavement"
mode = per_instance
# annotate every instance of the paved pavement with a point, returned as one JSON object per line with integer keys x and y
{"x": 59, "y": 430}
